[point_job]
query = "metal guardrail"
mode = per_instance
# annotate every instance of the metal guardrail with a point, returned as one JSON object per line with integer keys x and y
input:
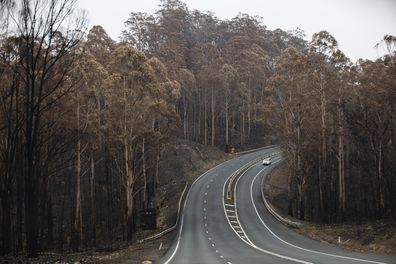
{"x": 277, "y": 216}
{"x": 170, "y": 229}
{"x": 237, "y": 173}
{"x": 254, "y": 150}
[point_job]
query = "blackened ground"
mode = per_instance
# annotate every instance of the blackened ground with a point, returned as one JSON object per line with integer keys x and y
{"x": 182, "y": 162}
{"x": 377, "y": 237}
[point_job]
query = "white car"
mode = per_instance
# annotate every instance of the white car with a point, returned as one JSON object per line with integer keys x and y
{"x": 266, "y": 161}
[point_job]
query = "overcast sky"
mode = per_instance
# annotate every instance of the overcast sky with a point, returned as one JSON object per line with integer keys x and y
{"x": 357, "y": 24}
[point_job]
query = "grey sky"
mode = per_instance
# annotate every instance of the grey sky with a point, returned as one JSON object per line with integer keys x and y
{"x": 357, "y": 24}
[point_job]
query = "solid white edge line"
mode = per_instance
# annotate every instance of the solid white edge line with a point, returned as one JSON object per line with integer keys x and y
{"x": 292, "y": 245}
{"x": 251, "y": 243}
{"x": 180, "y": 231}
{"x": 172, "y": 227}
{"x": 231, "y": 216}
{"x": 235, "y": 203}
{"x": 244, "y": 237}
{"x": 185, "y": 202}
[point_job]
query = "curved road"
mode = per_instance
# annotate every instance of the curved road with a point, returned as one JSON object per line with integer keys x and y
{"x": 242, "y": 231}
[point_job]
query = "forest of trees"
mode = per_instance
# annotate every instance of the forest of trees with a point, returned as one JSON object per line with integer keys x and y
{"x": 83, "y": 118}
{"x": 338, "y": 131}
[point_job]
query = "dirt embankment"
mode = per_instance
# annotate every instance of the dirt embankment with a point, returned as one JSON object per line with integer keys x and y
{"x": 182, "y": 162}
{"x": 275, "y": 188}
{"x": 377, "y": 237}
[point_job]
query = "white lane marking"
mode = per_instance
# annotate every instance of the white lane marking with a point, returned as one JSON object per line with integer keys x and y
{"x": 206, "y": 224}
{"x": 160, "y": 246}
{"x": 205, "y": 217}
{"x": 244, "y": 237}
{"x": 234, "y": 222}
{"x": 232, "y": 211}
{"x": 217, "y": 251}
{"x": 184, "y": 206}
{"x": 228, "y": 216}
{"x": 207, "y": 232}
{"x": 236, "y": 209}
{"x": 204, "y": 201}
{"x": 229, "y": 262}
{"x": 204, "y": 209}
{"x": 221, "y": 257}
{"x": 206, "y": 193}
{"x": 210, "y": 238}
{"x": 290, "y": 244}
{"x": 212, "y": 245}
{"x": 179, "y": 235}
{"x": 229, "y": 205}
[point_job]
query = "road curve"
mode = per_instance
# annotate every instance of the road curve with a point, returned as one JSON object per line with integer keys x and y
{"x": 215, "y": 230}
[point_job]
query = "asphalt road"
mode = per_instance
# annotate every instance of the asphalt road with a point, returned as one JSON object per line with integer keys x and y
{"x": 242, "y": 231}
